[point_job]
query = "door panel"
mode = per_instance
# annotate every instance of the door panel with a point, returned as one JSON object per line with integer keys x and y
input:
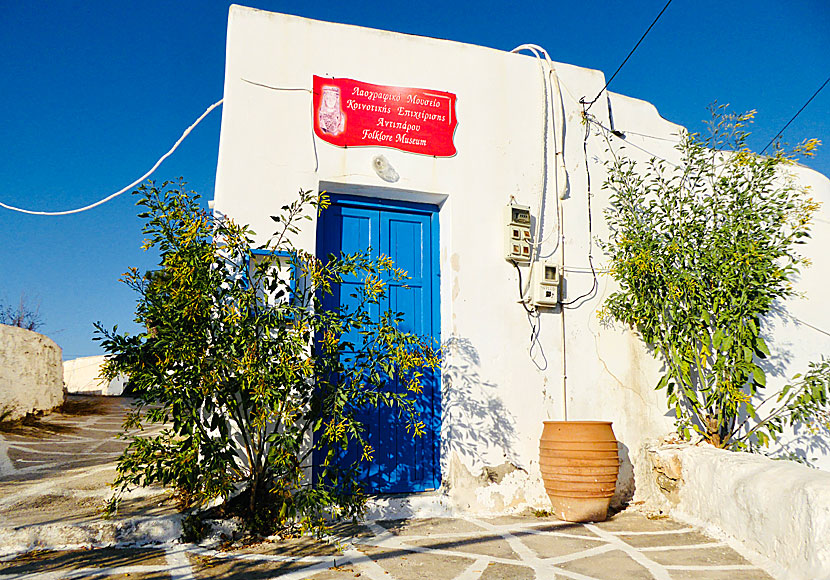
{"x": 408, "y": 234}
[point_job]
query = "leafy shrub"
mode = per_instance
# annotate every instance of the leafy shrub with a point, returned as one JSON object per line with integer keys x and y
{"x": 246, "y": 372}
{"x": 701, "y": 252}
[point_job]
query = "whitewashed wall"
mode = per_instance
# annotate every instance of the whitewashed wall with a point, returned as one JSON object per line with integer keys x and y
{"x": 83, "y": 376}
{"x": 495, "y": 394}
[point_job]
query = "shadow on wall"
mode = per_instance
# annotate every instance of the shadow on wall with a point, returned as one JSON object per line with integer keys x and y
{"x": 475, "y": 422}
{"x": 626, "y": 485}
{"x": 781, "y": 354}
{"x": 805, "y": 446}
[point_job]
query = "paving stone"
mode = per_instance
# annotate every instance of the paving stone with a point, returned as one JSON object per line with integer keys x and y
{"x": 43, "y": 561}
{"x": 712, "y": 556}
{"x": 154, "y": 575}
{"x": 115, "y": 447}
{"x": 235, "y": 569}
{"x": 53, "y": 508}
{"x": 86, "y": 462}
{"x": 294, "y": 547}
{"x": 678, "y": 539}
{"x": 499, "y": 571}
{"x": 485, "y": 545}
{"x": 629, "y": 521}
{"x": 131, "y": 575}
{"x": 523, "y": 519}
{"x": 755, "y": 574}
{"x": 348, "y": 530}
{"x": 569, "y": 528}
{"x": 338, "y": 573}
{"x": 429, "y": 526}
{"x": 98, "y": 480}
{"x": 405, "y": 565}
{"x": 28, "y": 477}
{"x": 614, "y": 565}
{"x": 547, "y": 546}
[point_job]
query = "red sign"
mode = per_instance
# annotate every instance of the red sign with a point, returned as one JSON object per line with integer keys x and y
{"x": 349, "y": 113}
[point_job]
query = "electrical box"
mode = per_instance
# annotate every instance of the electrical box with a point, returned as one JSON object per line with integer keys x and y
{"x": 546, "y": 284}
{"x": 517, "y": 233}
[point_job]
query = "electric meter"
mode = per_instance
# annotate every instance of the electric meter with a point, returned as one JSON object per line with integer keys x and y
{"x": 546, "y": 284}
{"x": 517, "y": 233}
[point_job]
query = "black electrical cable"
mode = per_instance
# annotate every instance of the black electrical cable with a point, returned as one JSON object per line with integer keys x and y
{"x": 777, "y": 135}
{"x": 591, "y": 103}
{"x": 595, "y": 283}
{"x": 534, "y": 319}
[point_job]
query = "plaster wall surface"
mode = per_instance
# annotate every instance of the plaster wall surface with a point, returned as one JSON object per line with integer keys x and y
{"x": 31, "y": 376}
{"x": 778, "y": 509}
{"x": 82, "y": 376}
{"x": 498, "y": 384}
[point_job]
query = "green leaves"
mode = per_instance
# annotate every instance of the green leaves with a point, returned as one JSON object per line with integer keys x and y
{"x": 245, "y": 371}
{"x": 701, "y": 251}
{"x": 759, "y": 377}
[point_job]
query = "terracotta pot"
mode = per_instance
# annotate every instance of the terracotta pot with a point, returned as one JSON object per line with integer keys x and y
{"x": 579, "y": 465}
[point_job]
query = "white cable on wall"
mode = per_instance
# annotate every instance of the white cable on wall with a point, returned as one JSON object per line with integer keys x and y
{"x": 552, "y": 93}
{"x": 130, "y": 186}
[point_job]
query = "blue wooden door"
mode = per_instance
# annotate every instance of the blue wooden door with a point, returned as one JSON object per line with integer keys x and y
{"x": 408, "y": 233}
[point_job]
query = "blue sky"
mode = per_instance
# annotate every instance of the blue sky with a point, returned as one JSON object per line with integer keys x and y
{"x": 94, "y": 92}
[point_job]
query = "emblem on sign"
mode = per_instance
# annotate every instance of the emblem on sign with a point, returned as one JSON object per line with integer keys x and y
{"x": 350, "y": 113}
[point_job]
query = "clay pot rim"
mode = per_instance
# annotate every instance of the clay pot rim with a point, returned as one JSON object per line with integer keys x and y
{"x": 581, "y": 495}
{"x": 578, "y": 445}
{"x": 578, "y": 422}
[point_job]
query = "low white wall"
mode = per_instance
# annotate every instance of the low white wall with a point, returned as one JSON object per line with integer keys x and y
{"x": 83, "y": 376}
{"x": 31, "y": 377}
{"x": 777, "y": 509}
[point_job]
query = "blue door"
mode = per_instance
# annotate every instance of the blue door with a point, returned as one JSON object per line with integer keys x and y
{"x": 408, "y": 233}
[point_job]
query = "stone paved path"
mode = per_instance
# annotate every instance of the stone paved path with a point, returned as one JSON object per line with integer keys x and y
{"x": 53, "y": 482}
{"x": 84, "y": 435}
{"x": 505, "y": 548}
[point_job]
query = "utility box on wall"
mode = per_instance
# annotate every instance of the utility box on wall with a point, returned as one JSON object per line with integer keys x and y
{"x": 546, "y": 284}
{"x": 517, "y": 237}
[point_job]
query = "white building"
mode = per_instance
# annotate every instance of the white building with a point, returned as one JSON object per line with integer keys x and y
{"x": 515, "y": 135}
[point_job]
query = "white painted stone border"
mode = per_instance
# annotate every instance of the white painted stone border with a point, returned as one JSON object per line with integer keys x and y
{"x": 779, "y": 510}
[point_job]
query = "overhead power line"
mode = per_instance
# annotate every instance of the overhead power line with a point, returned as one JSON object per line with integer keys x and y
{"x": 784, "y": 128}
{"x": 130, "y": 186}
{"x": 591, "y": 103}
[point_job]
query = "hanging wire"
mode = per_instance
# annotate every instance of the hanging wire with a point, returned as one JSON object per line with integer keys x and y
{"x": 534, "y": 319}
{"x": 816, "y": 328}
{"x": 595, "y": 282}
{"x": 606, "y": 131}
{"x": 591, "y": 103}
{"x": 777, "y": 135}
{"x": 130, "y": 186}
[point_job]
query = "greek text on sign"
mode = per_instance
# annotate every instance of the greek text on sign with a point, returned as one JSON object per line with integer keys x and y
{"x": 350, "y": 113}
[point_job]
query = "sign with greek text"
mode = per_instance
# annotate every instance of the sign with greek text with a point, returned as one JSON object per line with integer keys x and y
{"x": 350, "y": 113}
